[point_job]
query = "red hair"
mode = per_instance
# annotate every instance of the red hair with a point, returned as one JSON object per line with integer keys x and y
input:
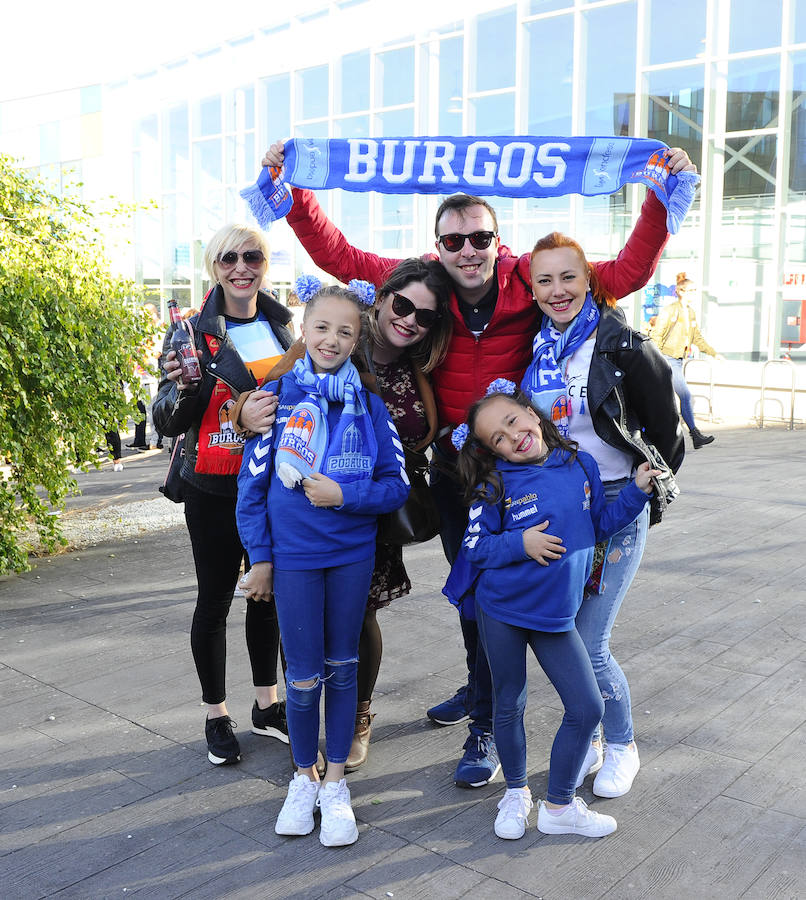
{"x": 556, "y": 241}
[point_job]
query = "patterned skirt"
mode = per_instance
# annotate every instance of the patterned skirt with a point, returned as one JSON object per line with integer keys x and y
{"x": 389, "y": 578}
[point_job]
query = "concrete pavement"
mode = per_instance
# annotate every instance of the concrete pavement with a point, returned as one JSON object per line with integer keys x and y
{"x": 105, "y": 788}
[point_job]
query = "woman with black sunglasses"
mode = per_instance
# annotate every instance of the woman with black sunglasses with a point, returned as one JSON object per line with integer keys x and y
{"x": 408, "y": 331}
{"x": 239, "y": 334}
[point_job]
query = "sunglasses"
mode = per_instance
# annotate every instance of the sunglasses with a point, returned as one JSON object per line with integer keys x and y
{"x": 252, "y": 258}
{"x": 402, "y": 306}
{"x": 479, "y": 240}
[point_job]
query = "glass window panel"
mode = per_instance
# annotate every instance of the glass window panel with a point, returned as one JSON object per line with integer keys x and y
{"x": 241, "y": 109}
{"x": 396, "y": 240}
{"x": 146, "y": 132}
{"x": 396, "y": 210}
{"x": 394, "y": 74}
{"x": 495, "y": 50}
{"x": 208, "y": 183}
{"x": 797, "y": 161}
{"x": 396, "y": 123}
{"x": 610, "y": 85}
{"x": 176, "y": 148}
{"x": 752, "y": 93}
{"x": 351, "y": 127}
{"x": 541, "y": 6}
{"x": 314, "y": 130}
{"x": 549, "y": 75}
{"x": 277, "y": 107}
{"x": 91, "y": 99}
{"x": 450, "y": 85}
{"x": 493, "y": 115}
{"x": 209, "y": 117}
{"x": 49, "y": 143}
{"x": 799, "y": 21}
{"x": 675, "y": 113}
{"x": 750, "y": 166}
{"x": 754, "y": 27}
{"x": 354, "y": 219}
{"x": 312, "y": 87}
{"x": 669, "y": 39}
{"x": 354, "y": 92}
{"x": 545, "y": 214}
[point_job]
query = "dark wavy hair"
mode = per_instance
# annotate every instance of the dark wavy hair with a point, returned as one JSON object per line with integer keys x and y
{"x": 431, "y": 350}
{"x": 477, "y": 463}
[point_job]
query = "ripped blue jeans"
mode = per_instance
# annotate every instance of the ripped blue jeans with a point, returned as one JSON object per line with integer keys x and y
{"x": 597, "y": 614}
{"x": 320, "y": 612}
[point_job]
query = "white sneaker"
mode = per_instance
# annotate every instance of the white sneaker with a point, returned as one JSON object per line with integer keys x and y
{"x": 575, "y": 819}
{"x": 117, "y": 467}
{"x": 592, "y": 764}
{"x": 338, "y": 826}
{"x": 296, "y": 816}
{"x": 621, "y": 765}
{"x": 511, "y": 821}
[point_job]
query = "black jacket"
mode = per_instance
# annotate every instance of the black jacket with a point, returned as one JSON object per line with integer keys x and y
{"x": 630, "y": 394}
{"x": 177, "y": 412}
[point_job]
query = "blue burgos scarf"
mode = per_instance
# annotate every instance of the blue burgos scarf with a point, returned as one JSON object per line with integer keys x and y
{"x": 306, "y": 445}
{"x": 501, "y": 166}
{"x": 544, "y": 383}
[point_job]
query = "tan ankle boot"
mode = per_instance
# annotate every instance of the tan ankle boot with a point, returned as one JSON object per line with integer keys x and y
{"x": 363, "y": 731}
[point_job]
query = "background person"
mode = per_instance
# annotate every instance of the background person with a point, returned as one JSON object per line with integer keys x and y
{"x": 675, "y": 332}
{"x": 240, "y": 333}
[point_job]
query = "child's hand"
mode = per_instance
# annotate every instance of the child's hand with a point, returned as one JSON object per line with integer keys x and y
{"x": 542, "y": 547}
{"x": 322, "y": 491}
{"x": 258, "y": 582}
{"x": 644, "y": 475}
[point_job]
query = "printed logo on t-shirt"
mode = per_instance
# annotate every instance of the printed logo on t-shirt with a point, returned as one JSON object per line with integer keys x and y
{"x": 586, "y": 503}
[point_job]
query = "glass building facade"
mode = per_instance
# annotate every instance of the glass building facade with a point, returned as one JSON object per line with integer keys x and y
{"x": 724, "y": 79}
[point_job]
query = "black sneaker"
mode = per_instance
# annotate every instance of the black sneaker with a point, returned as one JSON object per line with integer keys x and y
{"x": 270, "y": 721}
{"x": 222, "y": 745}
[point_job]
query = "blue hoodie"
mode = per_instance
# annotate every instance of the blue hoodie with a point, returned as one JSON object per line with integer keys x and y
{"x": 281, "y": 526}
{"x": 513, "y": 587}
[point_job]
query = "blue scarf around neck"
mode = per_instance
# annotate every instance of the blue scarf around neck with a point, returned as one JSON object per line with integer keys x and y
{"x": 544, "y": 383}
{"x": 306, "y": 445}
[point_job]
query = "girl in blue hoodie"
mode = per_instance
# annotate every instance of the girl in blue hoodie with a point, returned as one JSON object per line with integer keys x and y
{"x": 521, "y": 476}
{"x": 309, "y": 494}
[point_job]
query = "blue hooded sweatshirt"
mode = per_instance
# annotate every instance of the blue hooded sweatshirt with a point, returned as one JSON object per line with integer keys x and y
{"x": 281, "y": 526}
{"x": 514, "y": 588}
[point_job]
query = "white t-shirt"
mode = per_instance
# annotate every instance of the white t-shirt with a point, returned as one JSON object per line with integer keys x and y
{"x": 613, "y": 464}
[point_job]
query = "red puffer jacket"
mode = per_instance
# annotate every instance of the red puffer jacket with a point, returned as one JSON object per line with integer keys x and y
{"x": 504, "y": 349}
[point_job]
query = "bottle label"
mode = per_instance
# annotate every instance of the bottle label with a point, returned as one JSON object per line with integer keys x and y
{"x": 191, "y": 370}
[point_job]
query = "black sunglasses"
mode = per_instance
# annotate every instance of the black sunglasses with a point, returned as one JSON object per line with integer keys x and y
{"x": 402, "y": 306}
{"x": 252, "y": 258}
{"x": 453, "y": 243}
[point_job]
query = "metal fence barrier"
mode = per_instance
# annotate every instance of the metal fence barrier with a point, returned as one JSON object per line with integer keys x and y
{"x": 788, "y": 364}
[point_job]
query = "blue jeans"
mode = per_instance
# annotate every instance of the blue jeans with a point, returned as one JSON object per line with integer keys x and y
{"x": 598, "y": 612}
{"x": 563, "y": 658}
{"x": 447, "y": 495}
{"x": 682, "y": 391}
{"x": 320, "y": 613}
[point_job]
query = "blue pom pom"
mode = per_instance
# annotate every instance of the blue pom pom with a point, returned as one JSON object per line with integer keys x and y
{"x": 306, "y": 287}
{"x": 459, "y": 435}
{"x": 363, "y": 290}
{"x": 501, "y": 386}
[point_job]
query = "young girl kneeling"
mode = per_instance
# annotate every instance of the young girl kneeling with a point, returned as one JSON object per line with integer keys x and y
{"x": 309, "y": 494}
{"x": 521, "y": 477}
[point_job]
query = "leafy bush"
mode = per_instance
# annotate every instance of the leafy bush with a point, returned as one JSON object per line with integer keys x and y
{"x": 72, "y": 334}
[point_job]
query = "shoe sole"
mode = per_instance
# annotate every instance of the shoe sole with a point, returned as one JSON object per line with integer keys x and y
{"x": 570, "y": 829}
{"x": 294, "y": 833}
{"x": 223, "y": 760}
{"x": 509, "y": 837}
{"x": 437, "y": 721}
{"x": 476, "y": 784}
{"x": 329, "y": 842}
{"x": 272, "y": 732}
{"x": 611, "y": 795}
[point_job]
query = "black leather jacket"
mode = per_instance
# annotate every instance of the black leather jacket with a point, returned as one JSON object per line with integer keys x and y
{"x": 177, "y": 412}
{"x": 630, "y": 392}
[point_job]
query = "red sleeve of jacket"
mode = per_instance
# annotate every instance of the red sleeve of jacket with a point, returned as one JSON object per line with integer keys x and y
{"x": 633, "y": 267}
{"x": 329, "y": 248}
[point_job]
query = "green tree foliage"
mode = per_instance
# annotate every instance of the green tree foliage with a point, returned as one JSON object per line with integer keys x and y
{"x": 71, "y": 337}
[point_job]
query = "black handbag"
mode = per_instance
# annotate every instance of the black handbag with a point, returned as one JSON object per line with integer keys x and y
{"x": 174, "y": 486}
{"x": 417, "y": 520}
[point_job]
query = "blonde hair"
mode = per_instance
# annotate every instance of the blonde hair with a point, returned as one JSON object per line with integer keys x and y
{"x": 232, "y": 237}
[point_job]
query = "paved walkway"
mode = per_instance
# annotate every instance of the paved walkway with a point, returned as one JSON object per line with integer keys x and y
{"x": 106, "y": 789}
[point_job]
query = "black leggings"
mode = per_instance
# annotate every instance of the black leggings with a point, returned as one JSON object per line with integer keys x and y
{"x": 217, "y": 553}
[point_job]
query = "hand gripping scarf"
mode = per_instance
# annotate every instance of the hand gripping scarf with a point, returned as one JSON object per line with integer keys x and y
{"x": 306, "y": 446}
{"x": 543, "y": 382}
{"x": 522, "y": 166}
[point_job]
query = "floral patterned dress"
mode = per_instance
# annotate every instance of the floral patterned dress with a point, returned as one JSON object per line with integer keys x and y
{"x": 398, "y": 389}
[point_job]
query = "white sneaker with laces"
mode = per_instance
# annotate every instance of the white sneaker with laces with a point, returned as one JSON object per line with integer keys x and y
{"x": 575, "y": 819}
{"x": 511, "y": 821}
{"x": 296, "y": 816}
{"x": 621, "y": 765}
{"x": 338, "y": 826}
{"x": 592, "y": 764}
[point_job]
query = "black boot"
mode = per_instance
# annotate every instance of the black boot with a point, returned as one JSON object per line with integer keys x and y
{"x": 698, "y": 439}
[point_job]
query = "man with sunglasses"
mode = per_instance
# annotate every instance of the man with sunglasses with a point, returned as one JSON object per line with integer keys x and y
{"x": 495, "y": 319}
